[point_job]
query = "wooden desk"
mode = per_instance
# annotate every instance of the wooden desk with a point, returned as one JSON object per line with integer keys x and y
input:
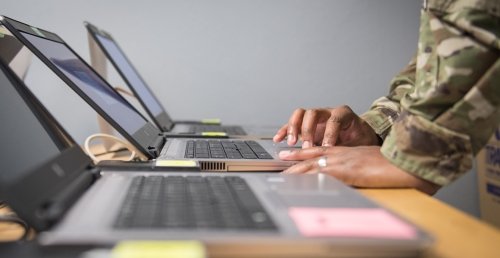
{"x": 457, "y": 234}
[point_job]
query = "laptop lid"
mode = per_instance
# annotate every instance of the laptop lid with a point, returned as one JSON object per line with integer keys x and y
{"x": 89, "y": 85}
{"x": 131, "y": 76}
{"x": 43, "y": 170}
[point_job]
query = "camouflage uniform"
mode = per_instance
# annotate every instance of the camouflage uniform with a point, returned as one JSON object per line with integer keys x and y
{"x": 443, "y": 107}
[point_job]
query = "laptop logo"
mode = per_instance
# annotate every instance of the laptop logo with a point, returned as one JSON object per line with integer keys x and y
{"x": 58, "y": 170}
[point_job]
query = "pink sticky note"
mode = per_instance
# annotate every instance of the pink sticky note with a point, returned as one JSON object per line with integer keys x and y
{"x": 350, "y": 222}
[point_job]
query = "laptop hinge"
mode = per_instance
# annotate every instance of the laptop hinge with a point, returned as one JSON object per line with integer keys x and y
{"x": 155, "y": 147}
{"x": 53, "y": 210}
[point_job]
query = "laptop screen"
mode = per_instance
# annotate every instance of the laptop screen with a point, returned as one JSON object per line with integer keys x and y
{"x": 93, "y": 86}
{"x": 26, "y": 143}
{"x": 131, "y": 75}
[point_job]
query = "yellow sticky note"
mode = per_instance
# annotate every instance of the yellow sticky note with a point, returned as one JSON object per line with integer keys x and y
{"x": 159, "y": 249}
{"x": 176, "y": 163}
{"x": 214, "y": 134}
{"x": 211, "y": 121}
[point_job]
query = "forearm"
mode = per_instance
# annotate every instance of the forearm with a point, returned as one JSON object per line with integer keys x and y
{"x": 385, "y": 110}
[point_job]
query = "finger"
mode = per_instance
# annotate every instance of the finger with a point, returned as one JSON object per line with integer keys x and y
{"x": 309, "y": 123}
{"x": 336, "y": 166}
{"x": 294, "y": 125}
{"x": 300, "y": 168}
{"x": 304, "y": 154}
{"x": 340, "y": 119}
{"x": 332, "y": 131}
{"x": 280, "y": 135}
{"x": 311, "y": 172}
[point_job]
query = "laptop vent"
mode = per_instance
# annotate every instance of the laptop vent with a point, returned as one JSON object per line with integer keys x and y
{"x": 212, "y": 166}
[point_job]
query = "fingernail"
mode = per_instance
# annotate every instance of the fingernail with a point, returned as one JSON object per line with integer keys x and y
{"x": 291, "y": 139}
{"x": 275, "y": 138}
{"x": 284, "y": 154}
{"x": 326, "y": 144}
{"x": 306, "y": 144}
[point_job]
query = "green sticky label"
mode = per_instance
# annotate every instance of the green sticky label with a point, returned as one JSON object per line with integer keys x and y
{"x": 37, "y": 31}
{"x": 211, "y": 121}
{"x": 214, "y": 134}
{"x": 2, "y": 35}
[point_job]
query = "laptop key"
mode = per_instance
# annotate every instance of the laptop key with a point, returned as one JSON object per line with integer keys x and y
{"x": 264, "y": 155}
{"x": 234, "y": 156}
{"x": 249, "y": 156}
{"x": 262, "y": 220}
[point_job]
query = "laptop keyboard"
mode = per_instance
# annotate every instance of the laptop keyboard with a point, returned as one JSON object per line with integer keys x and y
{"x": 189, "y": 202}
{"x": 217, "y": 149}
{"x": 230, "y": 130}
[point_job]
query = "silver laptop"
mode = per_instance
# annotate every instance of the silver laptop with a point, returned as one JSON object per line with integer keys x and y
{"x": 57, "y": 191}
{"x": 149, "y": 101}
{"x": 212, "y": 154}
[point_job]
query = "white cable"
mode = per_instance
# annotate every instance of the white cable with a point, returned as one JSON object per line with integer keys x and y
{"x": 125, "y": 144}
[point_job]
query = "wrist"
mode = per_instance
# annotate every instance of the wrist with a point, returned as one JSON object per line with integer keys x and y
{"x": 371, "y": 135}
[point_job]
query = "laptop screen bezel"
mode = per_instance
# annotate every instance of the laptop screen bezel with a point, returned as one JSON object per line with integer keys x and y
{"x": 32, "y": 194}
{"x": 142, "y": 139}
{"x": 162, "y": 120}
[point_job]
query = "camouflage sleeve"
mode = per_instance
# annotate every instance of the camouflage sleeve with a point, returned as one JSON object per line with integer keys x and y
{"x": 386, "y": 109}
{"x": 454, "y": 106}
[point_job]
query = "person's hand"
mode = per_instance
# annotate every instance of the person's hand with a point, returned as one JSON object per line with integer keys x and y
{"x": 356, "y": 166}
{"x": 327, "y": 127}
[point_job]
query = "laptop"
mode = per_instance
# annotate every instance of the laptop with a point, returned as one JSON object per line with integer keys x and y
{"x": 149, "y": 101}
{"x": 51, "y": 184}
{"x": 212, "y": 154}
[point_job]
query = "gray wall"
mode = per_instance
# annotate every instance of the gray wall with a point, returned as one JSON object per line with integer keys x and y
{"x": 248, "y": 62}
